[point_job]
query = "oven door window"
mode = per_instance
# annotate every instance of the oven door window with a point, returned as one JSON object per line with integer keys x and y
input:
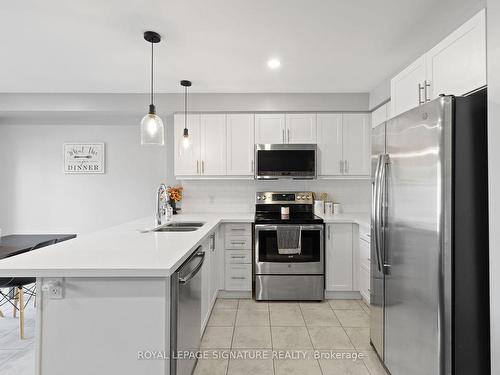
{"x": 310, "y": 247}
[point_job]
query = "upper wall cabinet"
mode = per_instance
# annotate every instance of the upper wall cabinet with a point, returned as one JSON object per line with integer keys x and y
{"x": 289, "y": 128}
{"x": 407, "y": 88}
{"x": 381, "y": 114}
{"x": 187, "y": 160}
{"x": 270, "y": 128}
{"x": 456, "y": 66}
{"x": 300, "y": 128}
{"x": 344, "y": 144}
{"x": 206, "y": 155}
{"x": 223, "y": 145}
{"x": 240, "y": 144}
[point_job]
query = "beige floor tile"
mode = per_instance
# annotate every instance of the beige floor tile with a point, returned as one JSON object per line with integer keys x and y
{"x": 315, "y": 305}
{"x": 365, "y": 307}
{"x": 329, "y": 338}
{"x": 283, "y": 305}
{"x": 250, "y": 304}
{"x": 222, "y": 318}
{"x": 296, "y": 367}
{"x": 217, "y": 337}
{"x": 226, "y": 303}
{"x": 211, "y": 367}
{"x": 250, "y": 367}
{"x": 252, "y": 318}
{"x": 343, "y": 367}
{"x": 345, "y": 304}
{"x": 372, "y": 361}
{"x": 360, "y": 337}
{"x": 319, "y": 317}
{"x": 353, "y": 318}
{"x": 252, "y": 338}
{"x": 286, "y": 316}
{"x": 290, "y": 338}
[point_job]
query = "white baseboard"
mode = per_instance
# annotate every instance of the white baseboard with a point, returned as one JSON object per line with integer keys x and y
{"x": 342, "y": 295}
{"x": 234, "y": 294}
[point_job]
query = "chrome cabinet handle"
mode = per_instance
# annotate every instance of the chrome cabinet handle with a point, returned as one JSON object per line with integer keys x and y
{"x": 283, "y": 135}
{"x": 238, "y": 256}
{"x": 346, "y": 168}
{"x": 288, "y": 135}
{"x": 329, "y": 230}
{"x": 238, "y": 277}
{"x": 238, "y": 229}
{"x": 426, "y": 85}
{"x": 213, "y": 242}
{"x": 197, "y": 167}
{"x": 420, "y": 88}
{"x": 238, "y": 243}
{"x": 341, "y": 166}
{"x": 202, "y": 167}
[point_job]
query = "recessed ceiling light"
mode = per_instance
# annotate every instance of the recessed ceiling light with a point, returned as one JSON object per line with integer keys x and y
{"x": 273, "y": 64}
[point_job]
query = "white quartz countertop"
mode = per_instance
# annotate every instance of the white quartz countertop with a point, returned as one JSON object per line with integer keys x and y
{"x": 124, "y": 251}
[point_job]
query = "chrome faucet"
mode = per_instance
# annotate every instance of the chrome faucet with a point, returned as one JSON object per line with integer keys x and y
{"x": 160, "y": 208}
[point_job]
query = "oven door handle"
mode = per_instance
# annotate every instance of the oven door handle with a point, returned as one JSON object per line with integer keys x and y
{"x": 302, "y": 226}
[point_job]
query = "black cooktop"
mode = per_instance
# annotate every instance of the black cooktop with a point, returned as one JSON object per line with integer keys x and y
{"x": 293, "y": 218}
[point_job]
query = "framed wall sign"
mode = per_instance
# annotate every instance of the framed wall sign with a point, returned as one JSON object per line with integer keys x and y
{"x": 83, "y": 158}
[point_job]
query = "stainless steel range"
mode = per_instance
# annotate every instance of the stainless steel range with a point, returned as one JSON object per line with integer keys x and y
{"x": 288, "y": 247}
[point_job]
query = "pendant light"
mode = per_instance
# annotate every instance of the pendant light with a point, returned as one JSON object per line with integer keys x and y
{"x": 152, "y": 132}
{"x": 186, "y": 140}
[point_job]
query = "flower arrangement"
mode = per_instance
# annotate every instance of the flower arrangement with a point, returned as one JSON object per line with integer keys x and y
{"x": 174, "y": 193}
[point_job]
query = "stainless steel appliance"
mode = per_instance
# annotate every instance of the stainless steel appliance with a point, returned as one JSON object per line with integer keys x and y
{"x": 285, "y": 161}
{"x": 185, "y": 314}
{"x": 429, "y": 261}
{"x": 284, "y": 272}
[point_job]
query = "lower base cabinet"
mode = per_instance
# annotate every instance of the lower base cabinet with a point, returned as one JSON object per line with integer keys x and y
{"x": 339, "y": 258}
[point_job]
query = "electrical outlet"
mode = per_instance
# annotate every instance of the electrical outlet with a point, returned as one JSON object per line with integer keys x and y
{"x": 54, "y": 288}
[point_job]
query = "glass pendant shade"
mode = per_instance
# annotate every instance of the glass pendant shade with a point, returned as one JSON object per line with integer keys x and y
{"x": 186, "y": 140}
{"x": 152, "y": 132}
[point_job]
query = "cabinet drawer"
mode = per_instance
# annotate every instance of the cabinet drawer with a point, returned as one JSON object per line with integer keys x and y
{"x": 364, "y": 253}
{"x": 238, "y": 242}
{"x": 238, "y": 256}
{"x": 238, "y": 277}
{"x": 238, "y": 230}
{"x": 364, "y": 283}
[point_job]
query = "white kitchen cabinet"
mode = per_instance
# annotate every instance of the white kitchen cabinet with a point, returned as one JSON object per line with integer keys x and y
{"x": 213, "y": 144}
{"x": 339, "y": 257}
{"x": 240, "y": 144}
{"x": 238, "y": 257}
{"x": 187, "y": 161}
{"x": 300, "y": 128}
{"x": 457, "y": 65}
{"x": 270, "y": 128}
{"x": 364, "y": 262}
{"x": 408, "y": 87}
{"x": 381, "y": 114}
{"x": 344, "y": 144}
{"x": 356, "y": 137}
{"x": 329, "y": 144}
{"x": 206, "y": 280}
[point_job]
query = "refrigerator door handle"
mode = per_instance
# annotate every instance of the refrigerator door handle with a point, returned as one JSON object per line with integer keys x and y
{"x": 382, "y": 207}
{"x": 375, "y": 212}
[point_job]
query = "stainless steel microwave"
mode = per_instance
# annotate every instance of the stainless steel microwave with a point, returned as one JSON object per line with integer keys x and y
{"x": 285, "y": 161}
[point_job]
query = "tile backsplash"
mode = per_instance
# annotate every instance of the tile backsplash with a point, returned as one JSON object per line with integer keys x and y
{"x": 239, "y": 195}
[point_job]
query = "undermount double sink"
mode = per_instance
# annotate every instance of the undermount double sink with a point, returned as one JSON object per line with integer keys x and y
{"x": 179, "y": 226}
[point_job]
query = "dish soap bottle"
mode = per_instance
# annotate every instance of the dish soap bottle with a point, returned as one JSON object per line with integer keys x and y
{"x": 169, "y": 213}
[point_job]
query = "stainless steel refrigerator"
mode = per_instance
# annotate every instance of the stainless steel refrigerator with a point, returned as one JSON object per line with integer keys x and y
{"x": 429, "y": 253}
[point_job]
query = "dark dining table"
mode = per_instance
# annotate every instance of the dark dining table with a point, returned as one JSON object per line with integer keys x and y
{"x": 16, "y": 244}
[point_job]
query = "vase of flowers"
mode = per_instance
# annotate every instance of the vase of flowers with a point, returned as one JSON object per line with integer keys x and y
{"x": 174, "y": 196}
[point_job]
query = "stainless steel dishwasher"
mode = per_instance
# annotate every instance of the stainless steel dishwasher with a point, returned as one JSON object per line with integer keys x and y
{"x": 185, "y": 323}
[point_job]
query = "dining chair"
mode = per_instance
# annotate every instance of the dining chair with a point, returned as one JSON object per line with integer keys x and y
{"x": 22, "y": 287}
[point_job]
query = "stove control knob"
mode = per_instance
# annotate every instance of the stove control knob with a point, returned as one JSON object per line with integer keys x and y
{"x": 264, "y": 197}
{"x": 308, "y": 197}
{"x": 303, "y": 197}
{"x": 258, "y": 197}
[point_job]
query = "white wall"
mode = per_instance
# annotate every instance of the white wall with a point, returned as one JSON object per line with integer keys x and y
{"x": 493, "y": 40}
{"x": 36, "y": 196}
{"x": 239, "y": 195}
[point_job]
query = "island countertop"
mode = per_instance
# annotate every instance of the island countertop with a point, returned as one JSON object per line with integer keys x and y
{"x": 125, "y": 251}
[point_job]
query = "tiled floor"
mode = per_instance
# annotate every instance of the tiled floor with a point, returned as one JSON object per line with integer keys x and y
{"x": 17, "y": 357}
{"x": 245, "y": 337}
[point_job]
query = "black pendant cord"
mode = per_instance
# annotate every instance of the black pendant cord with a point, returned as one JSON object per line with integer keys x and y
{"x": 152, "y": 74}
{"x": 185, "y": 107}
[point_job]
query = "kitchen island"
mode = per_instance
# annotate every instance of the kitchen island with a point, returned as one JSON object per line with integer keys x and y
{"x": 104, "y": 298}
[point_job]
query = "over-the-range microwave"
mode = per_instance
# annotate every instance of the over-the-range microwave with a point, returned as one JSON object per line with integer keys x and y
{"x": 285, "y": 161}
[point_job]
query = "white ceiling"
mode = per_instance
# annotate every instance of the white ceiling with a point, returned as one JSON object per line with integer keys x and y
{"x": 222, "y": 46}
